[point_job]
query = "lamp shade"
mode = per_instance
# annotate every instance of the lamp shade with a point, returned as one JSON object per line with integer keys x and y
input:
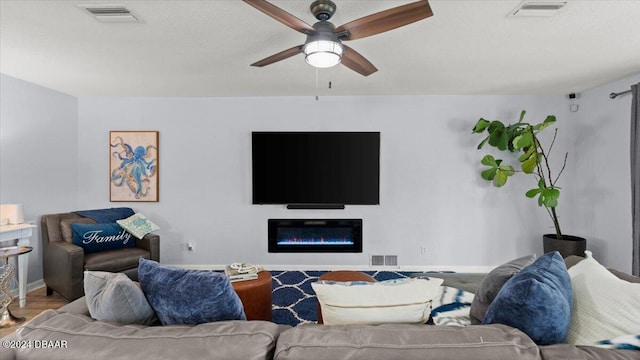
{"x": 323, "y": 53}
{"x": 12, "y": 212}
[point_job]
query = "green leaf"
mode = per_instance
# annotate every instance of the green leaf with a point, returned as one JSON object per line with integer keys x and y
{"x": 522, "y": 115}
{"x": 507, "y": 170}
{"x": 527, "y": 154}
{"x": 489, "y": 161}
{"x": 500, "y": 140}
{"x": 480, "y": 126}
{"x": 529, "y": 165}
{"x": 501, "y": 179}
{"x": 489, "y": 174}
{"x": 532, "y": 193}
{"x": 550, "y": 197}
{"x": 550, "y": 119}
{"x": 541, "y": 183}
{"x": 482, "y": 143}
{"x": 523, "y": 140}
{"x": 495, "y": 126}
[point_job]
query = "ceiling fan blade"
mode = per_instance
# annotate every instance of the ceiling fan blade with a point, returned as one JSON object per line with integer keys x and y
{"x": 282, "y": 16}
{"x": 279, "y": 56}
{"x": 385, "y": 20}
{"x": 356, "y": 62}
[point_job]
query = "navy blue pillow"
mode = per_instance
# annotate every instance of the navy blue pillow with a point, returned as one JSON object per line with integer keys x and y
{"x": 180, "y": 296}
{"x": 537, "y": 300}
{"x": 100, "y": 237}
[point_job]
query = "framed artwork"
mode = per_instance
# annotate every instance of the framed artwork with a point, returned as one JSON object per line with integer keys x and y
{"x": 133, "y": 166}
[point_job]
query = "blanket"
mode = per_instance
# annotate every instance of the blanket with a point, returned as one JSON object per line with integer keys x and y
{"x": 106, "y": 215}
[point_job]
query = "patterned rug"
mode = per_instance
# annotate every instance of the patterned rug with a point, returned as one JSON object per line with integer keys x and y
{"x": 294, "y": 301}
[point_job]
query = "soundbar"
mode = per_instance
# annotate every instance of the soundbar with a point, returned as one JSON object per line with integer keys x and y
{"x": 315, "y": 206}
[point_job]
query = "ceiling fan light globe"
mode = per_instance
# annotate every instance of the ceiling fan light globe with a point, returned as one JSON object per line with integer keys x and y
{"x": 323, "y": 53}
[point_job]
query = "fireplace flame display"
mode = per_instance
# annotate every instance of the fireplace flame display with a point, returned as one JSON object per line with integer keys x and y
{"x": 315, "y": 235}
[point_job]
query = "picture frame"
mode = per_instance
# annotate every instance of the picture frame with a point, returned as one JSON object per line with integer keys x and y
{"x": 133, "y": 166}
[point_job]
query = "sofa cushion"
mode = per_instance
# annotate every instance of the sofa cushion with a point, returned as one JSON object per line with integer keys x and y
{"x": 114, "y": 260}
{"x": 404, "y": 341}
{"x": 101, "y": 237}
{"x": 570, "y": 352}
{"x": 87, "y": 338}
{"x": 138, "y": 225}
{"x": 180, "y": 296}
{"x": 537, "y": 300}
{"x": 114, "y": 297}
{"x": 604, "y": 306}
{"x": 492, "y": 283}
{"x": 405, "y": 300}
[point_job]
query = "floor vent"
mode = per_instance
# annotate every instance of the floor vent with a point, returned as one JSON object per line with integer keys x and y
{"x": 110, "y": 13}
{"x": 384, "y": 260}
{"x": 537, "y": 8}
{"x": 377, "y": 260}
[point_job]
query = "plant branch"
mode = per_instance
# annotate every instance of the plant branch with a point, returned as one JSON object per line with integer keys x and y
{"x": 552, "y": 141}
{"x": 563, "y": 166}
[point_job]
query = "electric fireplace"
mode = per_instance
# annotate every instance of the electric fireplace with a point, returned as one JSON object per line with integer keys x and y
{"x": 315, "y": 235}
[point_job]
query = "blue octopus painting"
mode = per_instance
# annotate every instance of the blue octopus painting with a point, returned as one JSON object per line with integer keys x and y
{"x": 136, "y": 167}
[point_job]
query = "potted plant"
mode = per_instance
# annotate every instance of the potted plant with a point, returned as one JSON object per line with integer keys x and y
{"x": 522, "y": 139}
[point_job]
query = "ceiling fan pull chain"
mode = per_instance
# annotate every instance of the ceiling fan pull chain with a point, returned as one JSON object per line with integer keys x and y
{"x": 316, "y": 84}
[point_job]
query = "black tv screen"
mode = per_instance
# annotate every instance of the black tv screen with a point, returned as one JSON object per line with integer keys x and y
{"x": 316, "y": 168}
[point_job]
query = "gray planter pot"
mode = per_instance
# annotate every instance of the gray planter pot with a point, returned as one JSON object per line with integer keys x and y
{"x": 569, "y": 245}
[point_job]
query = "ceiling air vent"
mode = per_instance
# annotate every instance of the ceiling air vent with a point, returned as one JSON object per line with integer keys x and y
{"x": 537, "y": 8}
{"x": 110, "y": 13}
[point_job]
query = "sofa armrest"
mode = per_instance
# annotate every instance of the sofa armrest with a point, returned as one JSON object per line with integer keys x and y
{"x": 151, "y": 243}
{"x": 66, "y": 255}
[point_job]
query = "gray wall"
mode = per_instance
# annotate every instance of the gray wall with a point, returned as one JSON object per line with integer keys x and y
{"x": 431, "y": 193}
{"x": 38, "y": 154}
{"x": 602, "y": 191}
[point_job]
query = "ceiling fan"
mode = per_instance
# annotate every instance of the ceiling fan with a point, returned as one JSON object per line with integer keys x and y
{"x": 324, "y": 47}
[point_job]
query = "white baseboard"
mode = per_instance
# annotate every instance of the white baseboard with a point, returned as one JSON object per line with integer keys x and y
{"x": 422, "y": 268}
{"x": 30, "y": 287}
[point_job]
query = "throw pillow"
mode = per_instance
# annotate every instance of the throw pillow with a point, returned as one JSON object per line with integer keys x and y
{"x": 180, "y": 296}
{"x": 138, "y": 225}
{"x": 115, "y": 297}
{"x": 101, "y": 237}
{"x": 491, "y": 284}
{"x": 537, "y": 300}
{"x": 604, "y": 306}
{"x": 393, "y": 301}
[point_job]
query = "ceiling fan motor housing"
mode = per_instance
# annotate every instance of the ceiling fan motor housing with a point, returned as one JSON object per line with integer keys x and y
{"x": 323, "y": 9}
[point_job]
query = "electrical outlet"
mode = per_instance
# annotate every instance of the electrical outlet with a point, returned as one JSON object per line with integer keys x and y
{"x": 423, "y": 250}
{"x": 190, "y": 247}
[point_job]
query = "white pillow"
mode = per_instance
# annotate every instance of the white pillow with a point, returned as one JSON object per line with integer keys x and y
{"x": 604, "y": 306}
{"x": 138, "y": 225}
{"x": 393, "y": 301}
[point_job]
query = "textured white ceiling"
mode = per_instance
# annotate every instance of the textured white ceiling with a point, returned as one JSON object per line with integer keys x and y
{"x": 204, "y": 48}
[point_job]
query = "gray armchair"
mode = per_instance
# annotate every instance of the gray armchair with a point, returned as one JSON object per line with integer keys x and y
{"x": 64, "y": 263}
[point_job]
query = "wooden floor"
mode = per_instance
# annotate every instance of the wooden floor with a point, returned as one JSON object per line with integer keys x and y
{"x": 37, "y": 302}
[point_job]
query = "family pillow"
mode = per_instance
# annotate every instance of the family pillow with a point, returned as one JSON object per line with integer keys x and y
{"x": 101, "y": 237}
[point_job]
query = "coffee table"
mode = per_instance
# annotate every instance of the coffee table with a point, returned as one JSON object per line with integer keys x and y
{"x": 255, "y": 296}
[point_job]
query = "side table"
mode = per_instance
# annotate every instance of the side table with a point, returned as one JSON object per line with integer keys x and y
{"x": 255, "y": 296}
{"x": 22, "y": 233}
{"x": 6, "y": 318}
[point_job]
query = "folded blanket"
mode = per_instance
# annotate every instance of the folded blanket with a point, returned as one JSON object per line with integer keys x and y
{"x": 451, "y": 307}
{"x": 627, "y": 342}
{"x": 106, "y": 215}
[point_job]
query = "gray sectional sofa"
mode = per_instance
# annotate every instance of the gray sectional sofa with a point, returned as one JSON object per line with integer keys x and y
{"x": 70, "y": 333}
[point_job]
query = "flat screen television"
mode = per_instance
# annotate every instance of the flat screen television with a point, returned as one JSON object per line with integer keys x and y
{"x": 316, "y": 168}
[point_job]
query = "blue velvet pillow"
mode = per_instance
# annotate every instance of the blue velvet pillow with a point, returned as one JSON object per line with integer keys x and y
{"x": 100, "y": 237}
{"x": 537, "y": 300}
{"x": 181, "y": 296}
